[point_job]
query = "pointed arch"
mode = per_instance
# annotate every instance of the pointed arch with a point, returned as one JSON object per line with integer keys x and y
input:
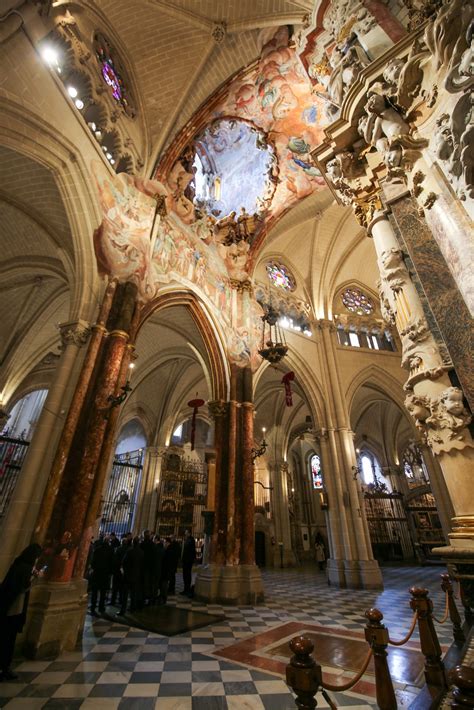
{"x": 213, "y": 342}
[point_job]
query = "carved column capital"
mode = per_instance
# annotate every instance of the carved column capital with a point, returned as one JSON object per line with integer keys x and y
{"x": 75, "y": 332}
{"x": 217, "y": 408}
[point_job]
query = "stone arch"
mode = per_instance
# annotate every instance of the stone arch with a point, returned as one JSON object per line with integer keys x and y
{"x": 24, "y": 132}
{"x": 215, "y": 351}
{"x": 380, "y": 379}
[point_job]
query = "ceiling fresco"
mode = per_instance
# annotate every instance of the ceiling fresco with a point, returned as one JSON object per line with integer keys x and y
{"x": 196, "y": 224}
{"x": 276, "y": 95}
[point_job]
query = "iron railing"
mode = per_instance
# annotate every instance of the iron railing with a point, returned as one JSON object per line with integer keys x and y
{"x": 12, "y": 455}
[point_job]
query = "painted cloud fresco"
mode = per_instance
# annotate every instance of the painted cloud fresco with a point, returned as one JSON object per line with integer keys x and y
{"x": 269, "y": 120}
{"x": 277, "y": 97}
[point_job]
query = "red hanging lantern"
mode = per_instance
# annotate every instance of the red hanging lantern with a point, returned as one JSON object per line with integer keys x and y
{"x": 195, "y": 404}
{"x": 287, "y": 380}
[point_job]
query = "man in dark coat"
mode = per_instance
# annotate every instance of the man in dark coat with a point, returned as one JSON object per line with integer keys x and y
{"x": 14, "y": 595}
{"x": 187, "y": 560}
{"x": 167, "y": 570}
{"x": 148, "y": 548}
{"x": 132, "y": 568}
{"x": 157, "y": 564}
{"x": 174, "y": 555}
{"x": 101, "y": 568}
{"x": 117, "y": 574}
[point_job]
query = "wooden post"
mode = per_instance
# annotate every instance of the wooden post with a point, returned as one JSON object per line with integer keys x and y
{"x": 458, "y": 633}
{"x": 376, "y": 635}
{"x": 462, "y": 679}
{"x": 303, "y": 674}
{"x": 434, "y": 667}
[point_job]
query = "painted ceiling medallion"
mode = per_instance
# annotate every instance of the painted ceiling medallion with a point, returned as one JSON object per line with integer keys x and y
{"x": 280, "y": 276}
{"x": 234, "y": 169}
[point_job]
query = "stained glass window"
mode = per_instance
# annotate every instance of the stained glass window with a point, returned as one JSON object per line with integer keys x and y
{"x": 109, "y": 67}
{"x": 280, "y": 276}
{"x": 112, "y": 79}
{"x": 316, "y": 475}
{"x": 357, "y": 302}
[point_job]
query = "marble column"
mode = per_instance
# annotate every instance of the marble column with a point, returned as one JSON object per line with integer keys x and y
{"x": 232, "y": 576}
{"x": 438, "y": 283}
{"x": 434, "y": 403}
{"x": 58, "y": 603}
{"x": 98, "y": 332}
{"x": 19, "y": 523}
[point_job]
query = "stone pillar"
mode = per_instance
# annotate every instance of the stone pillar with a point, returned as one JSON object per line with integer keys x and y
{"x": 357, "y": 567}
{"x": 281, "y": 515}
{"x": 58, "y": 603}
{"x": 436, "y": 406}
{"x": 20, "y": 520}
{"x": 148, "y": 495}
{"x": 232, "y": 576}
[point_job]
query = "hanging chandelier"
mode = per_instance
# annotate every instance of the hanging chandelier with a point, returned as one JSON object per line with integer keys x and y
{"x": 274, "y": 347}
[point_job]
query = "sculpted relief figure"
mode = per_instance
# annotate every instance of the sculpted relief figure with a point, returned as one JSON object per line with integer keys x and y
{"x": 442, "y": 420}
{"x": 387, "y": 131}
{"x": 394, "y": 271}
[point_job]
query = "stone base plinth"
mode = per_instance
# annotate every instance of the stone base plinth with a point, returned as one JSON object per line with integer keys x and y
{"x": 460, "y": 563}
{"x": 354, "y": 574}
{"x": 236, "y": 585}
{"x": 55, "y": 618}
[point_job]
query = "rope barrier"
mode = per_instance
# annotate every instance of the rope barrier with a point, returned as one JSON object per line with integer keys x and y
{"x": 327, "y": 698}
{"x": 349, "y": 684}
{"x": 404, "y": 640}
{"x": 446, "y": 612}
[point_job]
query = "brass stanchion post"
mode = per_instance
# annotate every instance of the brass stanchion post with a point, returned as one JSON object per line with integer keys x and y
{"x": 303, "y": 674}
{"x": 434, "y": 667}
{"x": 447, "y": 587}
{"x": 376, "y": 635}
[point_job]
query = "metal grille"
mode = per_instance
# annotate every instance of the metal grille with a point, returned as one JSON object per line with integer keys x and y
{"x": 388, "y": 526}
{"x": 12, "y": 455}
{"x": 119, "y": 506}
{"x": 181, "y": 496}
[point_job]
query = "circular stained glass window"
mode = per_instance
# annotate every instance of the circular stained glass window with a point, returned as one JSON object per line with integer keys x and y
{"x": 280, "y": 276}
{"x": 357, "y": 302}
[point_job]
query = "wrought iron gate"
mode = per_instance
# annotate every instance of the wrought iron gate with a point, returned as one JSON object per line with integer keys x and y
{"x": 12, "y": 455}
{"x": 388, "y": 526}
{"x": 181, "y": 496}
{"x": 119, "y": 506}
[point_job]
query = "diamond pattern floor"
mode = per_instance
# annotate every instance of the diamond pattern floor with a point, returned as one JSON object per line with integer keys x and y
{"x": 116, "y": 666}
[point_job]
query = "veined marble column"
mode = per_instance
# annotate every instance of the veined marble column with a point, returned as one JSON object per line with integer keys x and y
{"x": 59, "y": 602}
{"x": 232, "y": 576}
{"x": 22, "y": 513}
{"x": 57, "y": 470}
{"x": 433, "y": 402}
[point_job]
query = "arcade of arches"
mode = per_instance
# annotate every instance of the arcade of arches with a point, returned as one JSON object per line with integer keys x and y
{"x": 236, "y": 289}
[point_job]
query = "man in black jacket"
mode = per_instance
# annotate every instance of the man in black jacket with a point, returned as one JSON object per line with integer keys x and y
{"x": 187, "y": 560}
{"x": 102, "y": 567}
{"x": 117, "y": 574}
{"x": 148, "y": 548}
{"x": 174, "y": 555}
{"x": 132, "y": 567}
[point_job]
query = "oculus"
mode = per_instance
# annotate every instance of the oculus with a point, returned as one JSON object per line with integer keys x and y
{"x": 234, "y": 168}
{"x": 357, "y": 302}
{"x": 280, "y": 276}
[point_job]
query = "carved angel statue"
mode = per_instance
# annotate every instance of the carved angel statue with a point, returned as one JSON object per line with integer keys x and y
{"x": 385, "y": 128}
{"x": 449, "y": 412}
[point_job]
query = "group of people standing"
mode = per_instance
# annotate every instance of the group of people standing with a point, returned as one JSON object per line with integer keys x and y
{"x": 138, "y": 571}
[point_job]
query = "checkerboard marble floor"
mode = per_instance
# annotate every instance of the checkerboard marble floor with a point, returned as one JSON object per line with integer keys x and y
{"x": 116, "y": 666}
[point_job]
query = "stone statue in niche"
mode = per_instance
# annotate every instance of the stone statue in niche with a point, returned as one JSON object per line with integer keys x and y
{"x": 384, "y": 127}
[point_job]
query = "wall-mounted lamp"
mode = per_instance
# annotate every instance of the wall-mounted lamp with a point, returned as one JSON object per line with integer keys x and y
{"x": 256, "y": 453}
{"x": 117, "y": 400}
